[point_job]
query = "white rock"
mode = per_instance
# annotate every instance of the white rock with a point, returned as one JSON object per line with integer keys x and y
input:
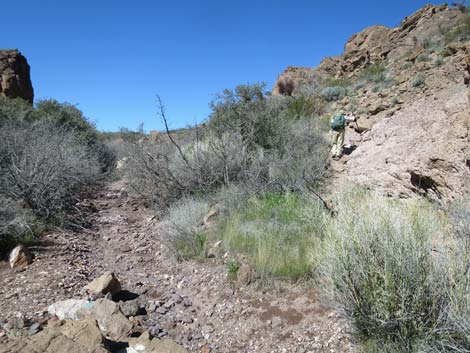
{"x": 67, "y": 309}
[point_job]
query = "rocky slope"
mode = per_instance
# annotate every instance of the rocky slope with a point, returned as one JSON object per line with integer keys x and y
{"x": 409, "y": 87}
{"x": 15, "y": 80}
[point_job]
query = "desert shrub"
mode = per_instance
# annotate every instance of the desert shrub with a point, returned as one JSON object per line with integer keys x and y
{"x": 186, "y": 239}
{"x": 232, "y": 269}
{"x": 43, "y": 165}
{"x": 305, "y": 106}
{"x": 278, "y": 232}
{"x": 17, "y": 225}
{"x": 249, "y": 111}
{"x": 381, "y": 269}
{"x": 423, "y": 57}
{"x": 334, "y": 93}
{"x": 375, "y": 72}
{"x": 15, "y": 110}
{"x": 163, "y": 174}
{"x": 286, "y": 87}
{"x": 69, "y": 117}
{"x": 407, "y": 65}
{"x": 399, "y": 274}
{"x": 249, "y": 139}
{"x": 418, "y": 81}
{"x": 439, "y": 61}
{"x": 461, "y": 32}
{"x": 337, "y": 82}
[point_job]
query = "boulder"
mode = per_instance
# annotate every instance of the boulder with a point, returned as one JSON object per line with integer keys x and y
{"x": 67, "y": 309}
{"x": 245, "y": 275}
{"x": 111, "y": 320}
{"x": 20, "y": 257}
{"x": 15, "y": 79}
{"x": 130, "y": 307}
{"x": 107, "y": 283}
{"x": 73, "y": 337}
{"x": 422, "y": 150}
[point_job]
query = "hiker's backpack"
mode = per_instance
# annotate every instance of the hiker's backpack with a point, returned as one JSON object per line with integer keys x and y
{"x": 338, "y": 122}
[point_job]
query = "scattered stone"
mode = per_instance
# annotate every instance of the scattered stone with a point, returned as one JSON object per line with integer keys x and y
{"x": 34, "y": 328}
{"x": 107, "y": 283}
{"x": 245, "y": 275}
{"x": 130, "y": 307}
{"x": 15, "y": 323}
{"x": 20, "y": 257}
{"x": 161, "y": 310}
{"x": 125, "y": 248}
{"x": 187, "y": 319}
{"x": 67, "y": 309}
{"x": 152, "y": 307}
{"x": 144, "y": 344}
{"x": 214, "y": 250}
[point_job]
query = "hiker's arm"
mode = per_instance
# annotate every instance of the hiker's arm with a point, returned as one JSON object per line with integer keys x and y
{"x": 350, "y": 118}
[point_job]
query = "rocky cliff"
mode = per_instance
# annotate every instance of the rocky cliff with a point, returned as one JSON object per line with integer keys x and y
{"x": 14, "y": 76}
{"x": 409, "y": 87}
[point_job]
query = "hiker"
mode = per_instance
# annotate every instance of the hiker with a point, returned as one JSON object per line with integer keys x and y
{"x": 338, "y": 124}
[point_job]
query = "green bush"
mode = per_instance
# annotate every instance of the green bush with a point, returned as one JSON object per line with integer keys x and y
{"x": 375, "y": 72}
{"x": 305, "y": 106}
{"x": 280, "y": 234}
{"x": 232, "y": 268}
{"x": 334, "y": 93}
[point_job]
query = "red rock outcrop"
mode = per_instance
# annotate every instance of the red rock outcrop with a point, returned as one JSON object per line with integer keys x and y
{"x": 15, "y": 78}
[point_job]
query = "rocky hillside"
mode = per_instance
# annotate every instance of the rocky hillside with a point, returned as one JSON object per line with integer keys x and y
{"x": 14, "y": 76}
{"x": 409, "y": 86}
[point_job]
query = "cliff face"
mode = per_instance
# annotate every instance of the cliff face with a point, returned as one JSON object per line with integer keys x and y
{"x": 15, "y": 78}
{"x": 409, "y": 86}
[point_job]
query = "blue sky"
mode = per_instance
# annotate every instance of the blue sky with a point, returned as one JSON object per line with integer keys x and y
{"x": 111, "y": 58}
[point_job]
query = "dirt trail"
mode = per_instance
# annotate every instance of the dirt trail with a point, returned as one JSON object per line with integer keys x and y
{"x": 192, "y": 302}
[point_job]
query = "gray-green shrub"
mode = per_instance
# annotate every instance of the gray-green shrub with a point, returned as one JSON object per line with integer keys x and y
{"x": 418, "y": 81}
{"x": 334, "y": 93}
{"x": 399, "y": 274}
{"x": 185, "y": 238}
{"x": 44, "y": 165}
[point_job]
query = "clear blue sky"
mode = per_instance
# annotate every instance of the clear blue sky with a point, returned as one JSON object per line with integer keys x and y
{"x": 110, "y": 58}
